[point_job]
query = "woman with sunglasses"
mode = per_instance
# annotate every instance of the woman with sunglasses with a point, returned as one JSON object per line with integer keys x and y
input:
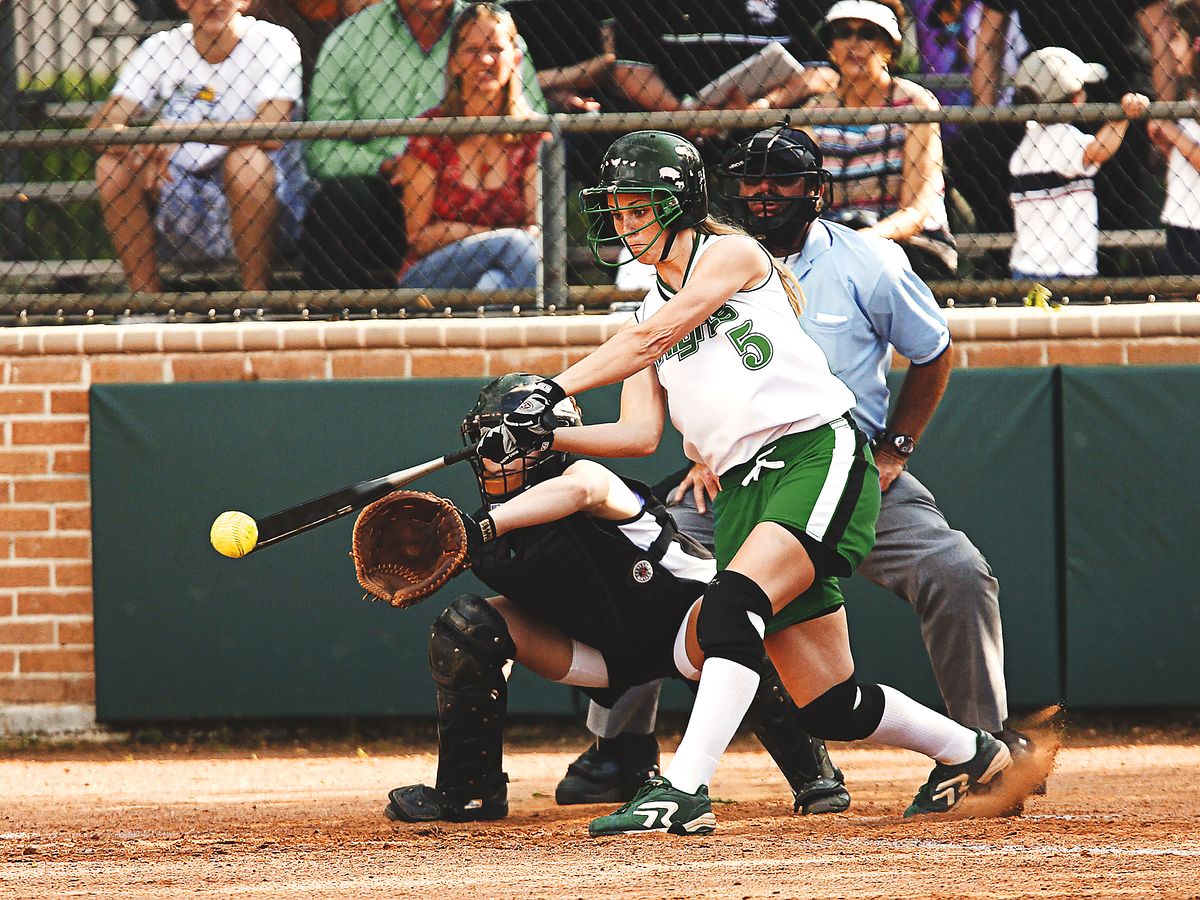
{"x": 887, "y": 178}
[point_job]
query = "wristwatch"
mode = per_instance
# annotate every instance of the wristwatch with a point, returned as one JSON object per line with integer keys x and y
{"x": 900, "y": 444}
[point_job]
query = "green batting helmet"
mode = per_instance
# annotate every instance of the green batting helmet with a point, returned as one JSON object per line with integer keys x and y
{"x": 662, "y": 167}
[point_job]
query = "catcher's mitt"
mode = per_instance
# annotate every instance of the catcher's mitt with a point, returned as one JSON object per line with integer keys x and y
{"x": 408, "y": 545}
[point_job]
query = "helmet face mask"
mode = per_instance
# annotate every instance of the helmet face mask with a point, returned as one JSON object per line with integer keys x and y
{"x": 774, "y": 185}
{"x": 666, "y": 174}
{"x": 498, "y": 483}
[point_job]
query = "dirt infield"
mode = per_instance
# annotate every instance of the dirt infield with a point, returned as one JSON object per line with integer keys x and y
{"x": 1120, "y": 819}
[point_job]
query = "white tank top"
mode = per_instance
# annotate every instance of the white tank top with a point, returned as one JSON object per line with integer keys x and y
{"x": 745, "y": 377}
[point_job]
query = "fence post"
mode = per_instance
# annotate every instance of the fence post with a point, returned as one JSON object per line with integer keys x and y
{"x": 12, "y": 214}
{"x": 554, "y": 221}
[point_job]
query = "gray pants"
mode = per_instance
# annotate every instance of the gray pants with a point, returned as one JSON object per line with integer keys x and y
{"x": 931, "y": 566}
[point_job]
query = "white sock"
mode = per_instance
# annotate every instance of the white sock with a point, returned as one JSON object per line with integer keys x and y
{"x": 726, "y": 689}
{"x": 588, "y": 668}
{"x": 908, "y": 724}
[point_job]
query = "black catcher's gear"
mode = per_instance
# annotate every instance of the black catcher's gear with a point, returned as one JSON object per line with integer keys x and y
{"x": 667, "y": 174}
{"x": 817, "y": 784}
{"x": 782, "y": 170}
{"x": 504, "y": 395}
{"x": 468, "y": 647}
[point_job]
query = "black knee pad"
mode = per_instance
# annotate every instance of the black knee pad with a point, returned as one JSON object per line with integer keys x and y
{"x": 846, "y": 712}
{"x": 469, "y": 644}
{"x": 468, "y": 647}
{"x": 723, "y": 627}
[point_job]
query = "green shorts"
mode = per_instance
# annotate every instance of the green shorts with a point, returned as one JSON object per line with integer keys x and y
{"x": 821, "y": 482}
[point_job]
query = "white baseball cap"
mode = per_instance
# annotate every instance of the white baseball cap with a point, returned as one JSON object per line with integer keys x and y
{"x": 868, "y": 11}
{"x": 1056, "y": 74}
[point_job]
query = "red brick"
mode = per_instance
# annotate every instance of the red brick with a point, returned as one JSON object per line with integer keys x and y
{"x": 209, "y": 367}
{"x": 68, "y": 402}
{"x": 75, "y": 633}
{"x": 49, "y": 431}
{"x": 25, "y": 575}
{"x": 54, "y": 547}
{"x": 8, "y": 662}
{"x": 290, "y": 366}
{"x": 374, "y": 364}
{"x": 24, "y": 462}
{"x": 46, "y": 370}
{"x": 50, "y": 603}
{"x": 71, "y": 574}
{"x": 1164, "y": 351}
{"x": 448, "y": 363}
{"x": 48, "y": 690}
{"x": 50, "y": 490}
{"x": 533, "y": 359}
{"x": 1086, "y": 353}
{"x": 574, "y": 355}
{"x": 18, "y": 401}
{"x": 58, "y": 660}
{"x": 121, "y": 369}
{"x": 18, "y": 518}
{"x": 72, "y": 462}
{"x": 18, "y": 632}
{"x": 72, "y": 518}
{"x": 986, "y": 354}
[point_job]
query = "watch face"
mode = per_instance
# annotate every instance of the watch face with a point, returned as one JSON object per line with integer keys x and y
{"x": 902, "y": 443}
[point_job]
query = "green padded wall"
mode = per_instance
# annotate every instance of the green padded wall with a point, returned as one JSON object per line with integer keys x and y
{"x": 1133, "y": 573}
{"x": 184, "y": 633}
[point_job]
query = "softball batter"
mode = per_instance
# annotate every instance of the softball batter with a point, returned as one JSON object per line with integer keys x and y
{"x": 718, "y": 339}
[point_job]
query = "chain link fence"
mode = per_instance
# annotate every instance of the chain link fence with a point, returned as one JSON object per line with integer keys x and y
{"x": 238, "y": 158}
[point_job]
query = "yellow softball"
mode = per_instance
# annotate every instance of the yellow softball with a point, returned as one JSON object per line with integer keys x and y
{"x": 233, "y": 534}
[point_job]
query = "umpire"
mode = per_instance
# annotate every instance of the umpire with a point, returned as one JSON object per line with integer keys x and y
{"x": 862, "y": 299}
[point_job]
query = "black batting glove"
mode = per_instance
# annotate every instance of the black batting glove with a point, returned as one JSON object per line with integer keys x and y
{"x": 532, "y": 423}
{"x": 499, "y": 446}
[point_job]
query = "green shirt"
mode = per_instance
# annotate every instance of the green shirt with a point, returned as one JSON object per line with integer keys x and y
{"x": 372, "y": 67}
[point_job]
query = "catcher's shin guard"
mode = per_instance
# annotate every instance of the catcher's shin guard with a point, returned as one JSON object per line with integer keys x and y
{"x": 817, "y": 784}
{"x": 468, "y": 648}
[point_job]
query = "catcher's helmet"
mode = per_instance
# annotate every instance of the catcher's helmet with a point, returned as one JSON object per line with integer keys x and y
{"x": 789, "y": 166}
{"x": 502, "y": 395}
{"x": 663, "y": 168}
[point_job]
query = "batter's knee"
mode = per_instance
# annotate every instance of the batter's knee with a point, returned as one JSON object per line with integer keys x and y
{"x": 469, "y": 645}
{"x": 733, "y": 615}
{"x": 846, "y": 712}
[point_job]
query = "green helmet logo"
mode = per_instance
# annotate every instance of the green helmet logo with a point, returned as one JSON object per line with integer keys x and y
{"x": 663, "y": 170}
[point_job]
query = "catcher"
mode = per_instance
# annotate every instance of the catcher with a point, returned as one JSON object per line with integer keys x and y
{"x": 596, "y": 589}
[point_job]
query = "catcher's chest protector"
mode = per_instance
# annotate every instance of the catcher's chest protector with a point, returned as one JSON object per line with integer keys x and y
{"x": 591, "y": 582}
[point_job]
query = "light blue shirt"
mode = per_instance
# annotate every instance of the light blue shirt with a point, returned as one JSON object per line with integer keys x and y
{"x": 861, "y": 299}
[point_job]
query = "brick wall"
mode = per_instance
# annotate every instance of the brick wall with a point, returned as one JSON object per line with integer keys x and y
{"x": 45, "y": 528}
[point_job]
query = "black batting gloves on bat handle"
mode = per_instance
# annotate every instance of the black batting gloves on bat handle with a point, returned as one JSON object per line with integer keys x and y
{"x": 534, "y": 418}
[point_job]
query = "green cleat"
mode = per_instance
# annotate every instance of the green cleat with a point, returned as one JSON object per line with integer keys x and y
{"x": 658, "y": 807}
{"x": 947, "y": 785}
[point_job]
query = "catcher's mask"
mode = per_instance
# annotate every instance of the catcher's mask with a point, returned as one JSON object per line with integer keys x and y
{"x": 774, "y": 185}
{"x": 655, "y": 171}
{"x": 498, "y": 483}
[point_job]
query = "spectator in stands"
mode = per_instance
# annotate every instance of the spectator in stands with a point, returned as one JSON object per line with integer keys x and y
{"x": 387, "y": 62}
{"x": 311, "y": 21}
{"x": 887, "y": 178}
{"x": 1131, "y": 39}
{"x": 471, "y": 202}
{"x": 1181, "y": 208}
{"x": 1055, "y": 211}
{"x": 205, "y": 201}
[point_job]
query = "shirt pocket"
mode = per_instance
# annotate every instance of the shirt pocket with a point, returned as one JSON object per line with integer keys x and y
{"x": 826, "y": 322}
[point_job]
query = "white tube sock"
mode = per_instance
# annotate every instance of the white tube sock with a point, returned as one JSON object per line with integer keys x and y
{"x": 908, "y": 724}
{"x": 726, "y": 689}
{"x": 588, "y": 668}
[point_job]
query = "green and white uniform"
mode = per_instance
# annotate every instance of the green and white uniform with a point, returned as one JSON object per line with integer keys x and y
{"x": 755, "y": 401}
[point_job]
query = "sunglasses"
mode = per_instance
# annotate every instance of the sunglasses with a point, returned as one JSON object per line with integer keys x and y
{"x": 844, "y": 31}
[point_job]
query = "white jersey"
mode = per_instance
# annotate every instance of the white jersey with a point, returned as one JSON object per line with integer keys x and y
{"x": 746, "y": 376}
{"x": 167, "y": 75}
